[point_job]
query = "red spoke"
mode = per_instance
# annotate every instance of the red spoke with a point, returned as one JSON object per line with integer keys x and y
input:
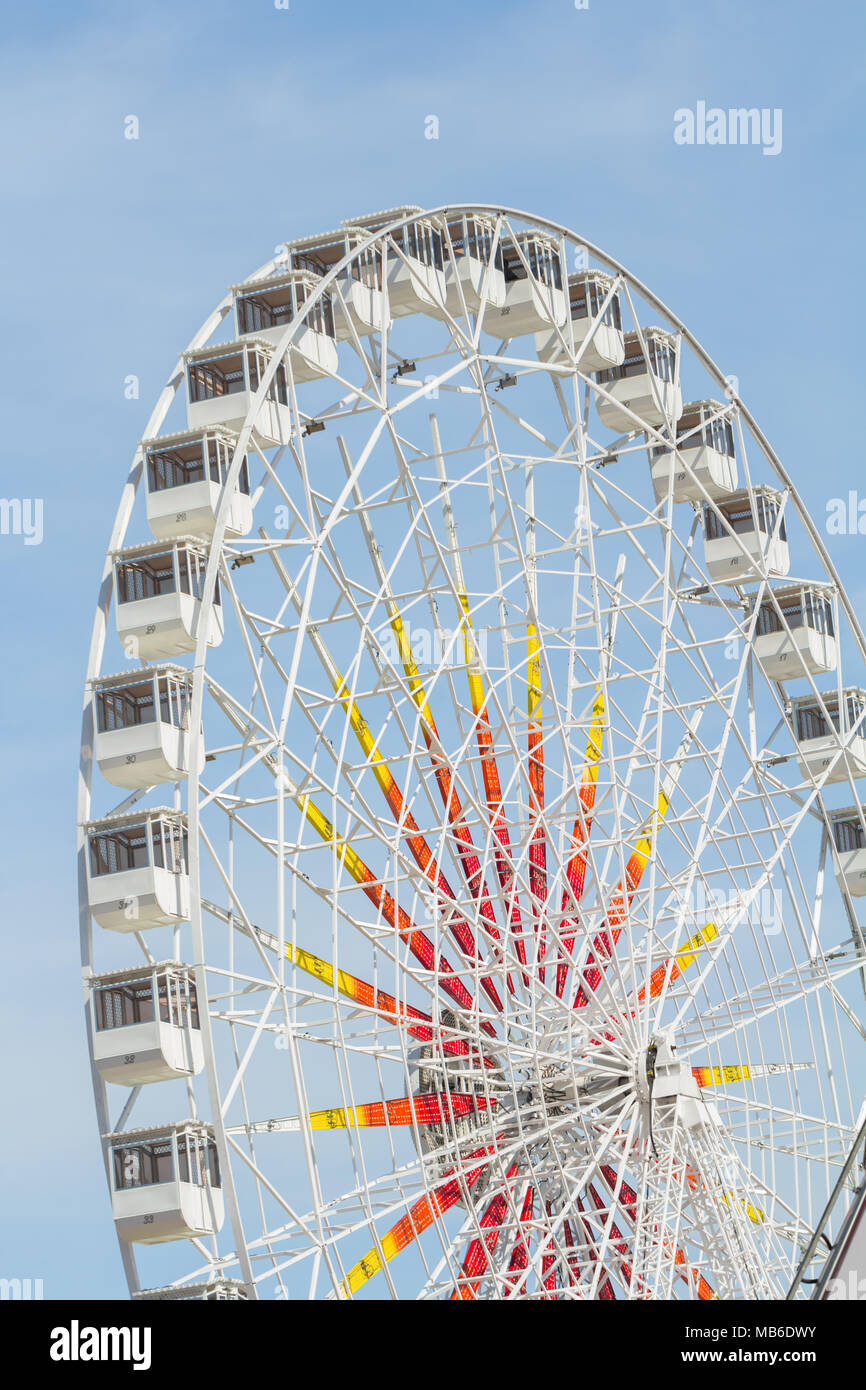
{"x": 520, "y": 1254}
{"x": 617, "y": 1239}
{"x": 628, "y": 1198}
{"x": 549, "y": 1275}
{"x": 415, "y": 839}
{"x": 477, "y": 1256}
{"x": 470, "y": 864}
{"x": 604, "y": 1286}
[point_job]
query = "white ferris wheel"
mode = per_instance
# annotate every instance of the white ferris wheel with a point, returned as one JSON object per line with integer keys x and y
{"x": 470, "y": 822}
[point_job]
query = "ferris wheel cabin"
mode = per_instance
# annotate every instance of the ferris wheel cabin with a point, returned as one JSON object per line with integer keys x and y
{"x": 165, "y": 1183}
{"x": 596, "y": 324}
{"x": 184, "y": 477}
{"x": 141, "y": 726}
{"x": 474, "y": 274}
{"x": 416, "y": 270}
{"x": 535, "y": 298}
{"x": 145, "y": 1024}
{"x": 644, "y": 384}
{"x": 358, "y": 300}
{"x": 158, "y": 598}
{"x": 745, "y": 537}
{"x": 849, "y": 839}
{"x": 221, "y": 383}
{"x": 415, "y": 263}
{"x": 831, "y": 735}
{"x": 265, "y": 308}
{"x": 795, "y": 632}
{"x": 704, "y": 461}
{"x": 138, "y": 870}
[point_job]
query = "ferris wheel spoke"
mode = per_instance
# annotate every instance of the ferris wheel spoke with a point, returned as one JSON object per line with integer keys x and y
{"x": 418, "y": 942}
{"x": 518, "y": 1261}
{"x": 535, "y": 738}
{"x": 613, "y": 1237}
{"x": 420, "y": 1215}
{"x": 502, "y": 851}
{"x": 618, "y": 909}
{"x": 600, "y": 1286}
{"x": 482, "y": 1249}
{"x": 446, "y": 903}
{"x": 576, "y": 871}
{"x": 443, "y": 772}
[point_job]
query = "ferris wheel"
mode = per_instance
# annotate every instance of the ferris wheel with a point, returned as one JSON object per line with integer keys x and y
{"x": 471, "y": 833}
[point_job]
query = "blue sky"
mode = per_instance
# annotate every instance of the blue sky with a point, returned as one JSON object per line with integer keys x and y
{"x": 258, "y": 124}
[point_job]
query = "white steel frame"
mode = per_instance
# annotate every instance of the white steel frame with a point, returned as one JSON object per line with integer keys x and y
{"x": 573, "y": 584}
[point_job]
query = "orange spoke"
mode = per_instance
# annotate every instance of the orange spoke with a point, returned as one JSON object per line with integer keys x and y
{"x": 674, "y": 966}
{"x": 469, "y": 862}
{"x": 422, "y": 1110}
{"x": 418, "y": 942}
{"x": 483, "y": 736}
{"x": 538, "y": 838}
{"x": 576, "y": 870}
{"x": 418, "y": 846}
{"x": 419, "y": 1217}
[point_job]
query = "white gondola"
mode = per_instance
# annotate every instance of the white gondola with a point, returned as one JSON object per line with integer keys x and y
{"x": 799, "y": 639}
{"x": 138, "y": 870}
{"x": 265, "y": 308}
{"x": 416, "y": 270}
{"x": 758, "y": 547}
{"x": 165, "y": 1183}
{"x": 831, "y": 747}
{"x": 535, "y": 297}
{"x": 596, "y": 325}
{"x": 145, "y": 1024}
{"x": 704, "y": 461}
{"x": 850, "y": 842}
{"x": 184, "y": 476}
{"x": 217, "y": 1291}
{"x": 474, "y": 273}
{"x": 644, "y": 384}
{"x": 221, "y": 383}
{"x": 415, "y": 261}
{"x": 157, "y": 597}
{"x": 360, "y": 301}
{"x": 141, "y": 726}
{"x": 357, "y": 296}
